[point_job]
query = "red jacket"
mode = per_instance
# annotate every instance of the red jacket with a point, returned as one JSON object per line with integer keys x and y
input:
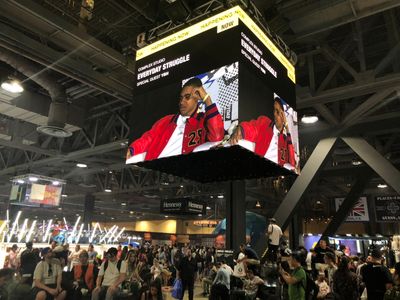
{"x": 200, "y": 128}
{"x": 89, "y": 275}
{"x": 260, "y": 132}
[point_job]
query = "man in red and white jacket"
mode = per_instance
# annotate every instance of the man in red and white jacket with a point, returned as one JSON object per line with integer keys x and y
{"x": 271, "y": 137}
{"x": 183, "y": 132}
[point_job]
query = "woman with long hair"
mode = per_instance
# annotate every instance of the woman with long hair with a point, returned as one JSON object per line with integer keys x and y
{"x": 345, "y": 285}
{"x": 134, "y": 282}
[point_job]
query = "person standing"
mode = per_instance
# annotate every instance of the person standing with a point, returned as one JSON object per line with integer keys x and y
{"x": 331, "y": 268}
{"x": 28, "y": 261}
{"x": 73, "y": 258}
{"x": 187, "y": 270}
{"x": 297, "y": 280}
{"x": 345, "y": 283}
{"x": 92, "y": 254}
{"x": 274, "y": 233}
{"x": 377, "y": 278}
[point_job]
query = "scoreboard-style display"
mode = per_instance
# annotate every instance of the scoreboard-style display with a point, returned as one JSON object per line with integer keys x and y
{"x": 215, "y": 101}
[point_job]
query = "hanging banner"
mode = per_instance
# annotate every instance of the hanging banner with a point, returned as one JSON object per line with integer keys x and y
{"x": 182, "y": 206}
{"x": 359, "y": 213}
{"x": 387, "y": 208}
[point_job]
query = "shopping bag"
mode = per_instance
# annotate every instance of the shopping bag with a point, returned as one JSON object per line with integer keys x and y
{"x": 239, "y": 270}
{"x": 177, "y": 289}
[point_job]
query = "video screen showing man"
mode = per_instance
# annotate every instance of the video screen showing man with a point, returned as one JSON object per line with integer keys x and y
{"x": 183, "y": 132}
{"x": 272, "y": 138}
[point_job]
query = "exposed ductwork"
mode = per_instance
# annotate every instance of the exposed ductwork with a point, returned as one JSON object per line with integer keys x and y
{"x": 57, "y": 116}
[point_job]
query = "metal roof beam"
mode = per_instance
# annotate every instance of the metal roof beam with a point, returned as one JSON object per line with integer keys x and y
{"x": 360, "y": 88}
{"x": 58, "y": 61}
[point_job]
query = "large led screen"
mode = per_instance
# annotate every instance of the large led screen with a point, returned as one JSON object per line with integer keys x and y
{"x": 218, "y": 84}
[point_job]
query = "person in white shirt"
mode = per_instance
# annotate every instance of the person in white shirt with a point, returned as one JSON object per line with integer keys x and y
{"x": 274, "y": 233}
{"x": 73, "y": 258}
{"x": 112, "y": 273}
{"x": 47, "y": 278}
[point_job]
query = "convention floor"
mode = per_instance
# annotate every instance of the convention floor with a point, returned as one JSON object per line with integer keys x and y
{"x": 198, "y": 290}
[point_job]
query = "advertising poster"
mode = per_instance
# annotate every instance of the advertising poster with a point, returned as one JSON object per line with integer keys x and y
{"x": 387, "y": 208}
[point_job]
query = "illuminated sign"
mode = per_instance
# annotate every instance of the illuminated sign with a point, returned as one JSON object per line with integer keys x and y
{"x": 222, "y": 21}
{"x": 206, "y": 223}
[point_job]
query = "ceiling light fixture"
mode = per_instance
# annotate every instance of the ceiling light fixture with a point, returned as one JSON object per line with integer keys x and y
{"x": 258, "y": 204}
{"x": 20, "y": 181}
{"x": 309, "y": 119}
{"x": 382, "y": 186}
{"x": 56, "y": 182}
{"x": 123, "y": 204}
{"x": 107, "y": 190}
{"x": 81, "y": 165}
{"x": 220, "y": 196}
{"x": 64, "y": 195}
{"x": 356, "y": 162}
{"x": 200, "y": 215}
{"x": 33, "y": 179}
{"x": 12, "y": 86}
{"x": 208, "y": 208}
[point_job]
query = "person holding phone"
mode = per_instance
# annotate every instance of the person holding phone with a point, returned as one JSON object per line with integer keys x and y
{"x": 183, "y": 132}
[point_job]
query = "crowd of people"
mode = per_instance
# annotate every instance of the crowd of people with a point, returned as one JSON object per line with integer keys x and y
{"x": 145, "y": 272}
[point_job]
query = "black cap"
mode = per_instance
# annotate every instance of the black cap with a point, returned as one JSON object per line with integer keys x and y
{"x": 112, "y": 251}
{"x": 273, "y": 220}
{"x": 29, "y": 244}
{"x": 376, "y": 253}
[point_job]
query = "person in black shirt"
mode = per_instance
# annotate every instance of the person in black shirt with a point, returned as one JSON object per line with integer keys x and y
{"x": 321, "y": 250}
{"x": 187, "y": 272}
{"x": 377, "y": 278}
{"x": 29, "y": 260}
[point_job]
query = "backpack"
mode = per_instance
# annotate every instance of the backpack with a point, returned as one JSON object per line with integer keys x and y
{"x": 311, "y": 288}
{"x": 393, "y": 293}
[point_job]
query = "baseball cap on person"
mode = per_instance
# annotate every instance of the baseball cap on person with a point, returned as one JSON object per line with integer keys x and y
{"x": 376, "y": 253}
{"x": 112, "y": 251}
{"x": 45, "y": 251}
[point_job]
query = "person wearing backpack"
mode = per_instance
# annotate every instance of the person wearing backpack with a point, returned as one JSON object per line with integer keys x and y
{"x": 297, "y": 280}
{"x": 112, "y": 273}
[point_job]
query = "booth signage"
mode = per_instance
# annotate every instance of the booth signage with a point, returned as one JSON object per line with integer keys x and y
{"x": 387, "y": 208}
{"x": 206, "y": 223}
{"x": 359, "y": 213}
{"x": 182, "y": 206}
